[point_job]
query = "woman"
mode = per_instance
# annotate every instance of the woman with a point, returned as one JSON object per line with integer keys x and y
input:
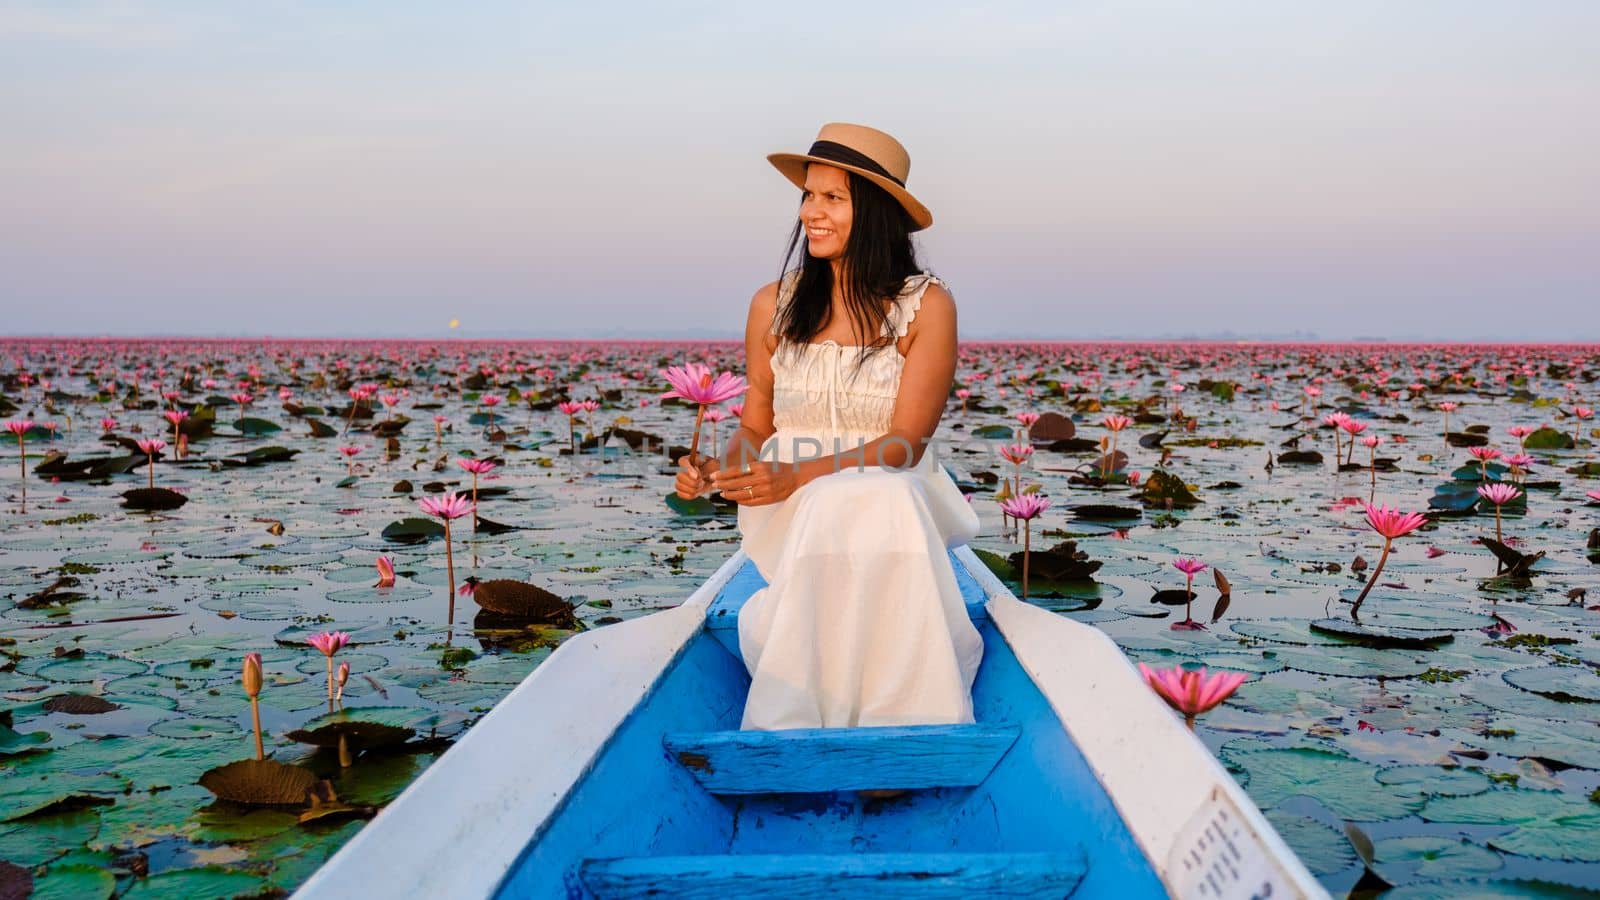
{"x": 845, "y": 510}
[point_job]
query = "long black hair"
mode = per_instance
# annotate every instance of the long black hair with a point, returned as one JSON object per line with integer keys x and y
{"x": 878, "y": 258}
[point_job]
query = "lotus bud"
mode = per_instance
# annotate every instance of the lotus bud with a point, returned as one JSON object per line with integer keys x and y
{"x": 344, "y": 675}
{"x": 252, "y": 675}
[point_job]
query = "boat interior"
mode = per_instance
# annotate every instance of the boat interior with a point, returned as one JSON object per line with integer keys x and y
{"x": 682, "y": 803}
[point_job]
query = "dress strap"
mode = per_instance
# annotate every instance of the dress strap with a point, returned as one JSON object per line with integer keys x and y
{"x": 909, "y": 302}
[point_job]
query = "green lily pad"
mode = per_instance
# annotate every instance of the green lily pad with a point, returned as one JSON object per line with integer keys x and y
{"x": 74, "y": 882}
{"x": 1503, "y": 889}
{"x": 1323, "y": 850}
{"x": 1355, "y": 662}
{"x": 203, "y": 883}
{"x": 1564, "y": 683}
{"x": 1345, "y": 785}
{"x": 1402, "y": 859}
{"x": 44, "y": 838}
{"x": 1547, "y": 824}
{"x": 1434, "y": 780}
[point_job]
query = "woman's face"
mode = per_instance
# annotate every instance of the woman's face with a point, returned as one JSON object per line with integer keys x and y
{"x": 825, "y": 210}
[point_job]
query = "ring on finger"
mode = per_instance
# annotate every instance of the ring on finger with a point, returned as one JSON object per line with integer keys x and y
{"x": 745, "y": 469}
{"x": 750, "y": 490}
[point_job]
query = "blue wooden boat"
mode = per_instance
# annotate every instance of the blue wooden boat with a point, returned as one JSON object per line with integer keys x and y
{"x": 616, "y": 769}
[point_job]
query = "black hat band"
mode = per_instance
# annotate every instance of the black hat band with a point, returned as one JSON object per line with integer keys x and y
{"x": 839, "y": 153}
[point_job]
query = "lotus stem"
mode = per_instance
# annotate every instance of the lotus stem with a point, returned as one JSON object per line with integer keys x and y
{"x": 345, "y": 759}
{"x": 474, "y": 502}
{"x": 152, "y": 470}
{"x": 1027, "y": 532}
{"x": 22, "y": 458}
{"x": 1188, "y": 598}
{"x": 255, "y": 718}
{"x": 1376, "y": 570}
{"x": 1189, "y": 721}
{"x": 1497, "y": 535}
{"x": 330, "y": 678}
{"x": 694, "y": 442}
{"x": 450, "y": 569}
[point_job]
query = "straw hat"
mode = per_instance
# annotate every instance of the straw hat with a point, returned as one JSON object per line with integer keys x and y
{"x": 865, "y": 151}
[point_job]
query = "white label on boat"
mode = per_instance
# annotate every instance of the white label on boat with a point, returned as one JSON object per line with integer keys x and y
{"x": 1219, "y": 857}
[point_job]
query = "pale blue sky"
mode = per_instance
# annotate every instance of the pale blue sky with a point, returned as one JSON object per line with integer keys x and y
{"x": 1428, "y": 168}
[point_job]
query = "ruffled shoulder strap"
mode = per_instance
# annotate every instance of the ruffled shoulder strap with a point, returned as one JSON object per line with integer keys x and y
{"x": 909, "y": 301}
{"x": 785, "y": 292}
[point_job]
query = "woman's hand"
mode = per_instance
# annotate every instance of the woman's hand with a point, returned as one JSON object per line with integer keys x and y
{"x": 692, "y": 481}
{"x": 758, "y": 484}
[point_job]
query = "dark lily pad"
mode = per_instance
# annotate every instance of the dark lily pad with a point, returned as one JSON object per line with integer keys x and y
{"x": 153, "y": 499}
{"x": 1380, "y": 636}
{"x": 260, "y": 782}
{"x": 413, "y": 530}
{"x": 362, "y": 728}
{"x": 523, "y": 602}
{"x": 79, "y": 704}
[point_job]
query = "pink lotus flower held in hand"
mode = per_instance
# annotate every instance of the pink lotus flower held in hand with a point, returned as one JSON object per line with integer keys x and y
{"x": 20, "y": 428}
{"x": 329, "y": 642}
{"x": 694, "y": 382}
{"x": 448, "y": 507}
{"x": 385, "y": 572}
{"x": 1499, "y": 493}
{"x": 1189, "y": 567}
{"x": 1191, "y": 692}
{"x": 1025, "y": 507}
{"x": 1391, "y": 523}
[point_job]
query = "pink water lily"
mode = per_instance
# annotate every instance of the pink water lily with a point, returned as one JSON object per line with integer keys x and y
{"x": 1391, "y": 523}
{"x": 329, "y": 642}
{"x": 20, "y": 428}
{"x": 476, "y": 467}
{"x": 695, "y": 383}
{"x": 385, "y": 572}
{"x": 150, "y": 447}
{"x": 1113, "y": 423}
{"x": 1499, "y": 493}
{"x": 1190, "y": 567}
{"x": 1483, "y": 455}
{"x": 1027, "y": 419}
{"x": 1025, "y": 507}
{"x": 448, "y": 507}
{"x": 349, "y": 453}
{"x": 962, "y": 394}
{"x": 1521, "y": 432}
{"x": 571, "y": 408}
{"x": 1191, "y": 691}
{"x": 1594, "y": 495}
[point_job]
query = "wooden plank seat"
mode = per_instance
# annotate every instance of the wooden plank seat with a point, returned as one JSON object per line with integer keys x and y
{"x": 875, "y": 875}
{"x": 815, "y": 760}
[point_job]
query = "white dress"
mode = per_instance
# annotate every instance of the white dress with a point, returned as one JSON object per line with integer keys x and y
{"x": 861, "y": 622}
